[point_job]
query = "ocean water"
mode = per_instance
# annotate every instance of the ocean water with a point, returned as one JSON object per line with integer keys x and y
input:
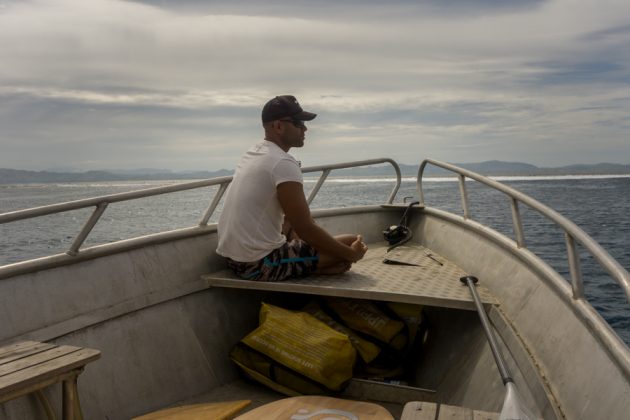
{"x": 599, "y": 205}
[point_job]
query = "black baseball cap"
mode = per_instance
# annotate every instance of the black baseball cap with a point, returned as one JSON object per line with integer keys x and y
{"x": 285, "y": 106}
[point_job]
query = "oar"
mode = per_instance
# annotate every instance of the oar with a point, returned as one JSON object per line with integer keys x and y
{"x": 512, "y": 409}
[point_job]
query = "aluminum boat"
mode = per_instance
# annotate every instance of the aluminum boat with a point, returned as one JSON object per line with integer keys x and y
{"x": 165, "y": 313}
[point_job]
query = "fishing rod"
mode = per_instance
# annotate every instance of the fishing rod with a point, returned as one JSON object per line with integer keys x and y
{"x": 512, "y": 409}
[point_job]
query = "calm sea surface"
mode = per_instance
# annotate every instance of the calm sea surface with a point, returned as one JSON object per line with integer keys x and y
{"x": 599, "y": 205}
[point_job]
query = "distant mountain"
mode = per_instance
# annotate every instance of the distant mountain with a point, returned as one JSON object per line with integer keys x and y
{"x": 496, "y": 168}
{"x": 599, "y": 168}
{"x": 17, "y": 176}
{"x": 493, "y": 167}
{"x": 140, "y": 171}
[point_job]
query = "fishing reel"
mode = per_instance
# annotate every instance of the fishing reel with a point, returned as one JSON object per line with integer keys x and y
{"x": 399, "y": 234}
{"x": 395, "y": 234}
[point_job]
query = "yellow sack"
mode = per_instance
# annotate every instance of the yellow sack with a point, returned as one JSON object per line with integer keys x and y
{"x": 412, "y": 316}
{"x": 367, "y": 350}
{"x": 262, "y": 369}
{"x": 365, "y": 316}
{"x": 300, "y": 343}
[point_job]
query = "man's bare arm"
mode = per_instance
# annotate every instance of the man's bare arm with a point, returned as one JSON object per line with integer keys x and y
{"x": 296, "y": 211}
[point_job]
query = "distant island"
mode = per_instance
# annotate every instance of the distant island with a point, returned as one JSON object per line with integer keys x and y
{"x": 19, "y": 176}
{"x": 490, "y": 168}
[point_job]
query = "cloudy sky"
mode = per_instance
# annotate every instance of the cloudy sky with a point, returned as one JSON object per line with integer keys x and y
{"x": 110, "y": 84}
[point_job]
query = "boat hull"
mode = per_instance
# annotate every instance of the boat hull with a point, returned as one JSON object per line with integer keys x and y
{"x": 165, "y": 335}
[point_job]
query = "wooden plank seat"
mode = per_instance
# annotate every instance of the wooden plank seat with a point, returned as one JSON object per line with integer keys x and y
{"x": 414, "y": 274}
{"x": 422, "y": 410}
{"x": 29, "y": 366}
{"x": 210, "y": 411}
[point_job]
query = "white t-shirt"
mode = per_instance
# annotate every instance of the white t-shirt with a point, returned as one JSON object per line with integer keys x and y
{"x": 250, "y": 225}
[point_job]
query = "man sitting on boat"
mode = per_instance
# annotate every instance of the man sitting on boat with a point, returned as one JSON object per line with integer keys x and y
{"x": 265, "y": 207}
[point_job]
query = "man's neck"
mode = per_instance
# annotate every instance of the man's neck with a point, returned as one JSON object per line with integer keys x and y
{"x": 277, "y": 143}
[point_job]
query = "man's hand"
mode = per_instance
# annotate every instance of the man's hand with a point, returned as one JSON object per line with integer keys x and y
{"x": 293, "y": 202}
{"x": 359, "y": 248}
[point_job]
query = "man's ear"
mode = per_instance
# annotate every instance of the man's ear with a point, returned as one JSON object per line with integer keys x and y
{"x": 278, "y": 126}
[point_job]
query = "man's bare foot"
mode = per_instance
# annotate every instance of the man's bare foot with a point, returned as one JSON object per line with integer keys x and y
{"x": 338, "y": 268}
{"x": 359, "y": 247}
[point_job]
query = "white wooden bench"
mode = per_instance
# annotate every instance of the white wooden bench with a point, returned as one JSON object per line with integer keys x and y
{"x": 29, "y": 366}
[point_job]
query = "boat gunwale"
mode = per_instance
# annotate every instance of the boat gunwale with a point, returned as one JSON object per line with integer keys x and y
{"x": 572, "y": 231}
{"x": 586, "y": 313}
{"x": 101, "y": 203}
{"x": 579, "y": 304}
{"x": 101, "y": 250}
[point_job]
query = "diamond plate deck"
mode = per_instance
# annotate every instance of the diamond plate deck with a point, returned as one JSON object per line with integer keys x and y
{"x": 432, "y": 280}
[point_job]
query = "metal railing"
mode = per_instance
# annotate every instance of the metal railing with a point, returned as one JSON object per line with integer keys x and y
{"x": 326, "y": 169}
{"x": 100, "y": 204}
{"x": 573, "y": 233}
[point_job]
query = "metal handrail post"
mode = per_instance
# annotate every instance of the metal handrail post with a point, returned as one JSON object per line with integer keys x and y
{"x": 419, "y": 182}
{"x": 392, "y": 195}
{"x": 87, "y": 228}
{"x": 317, "y": 186}
{"x": 215, "y": 202}
{"x": 577, "y": 284}
{"x": 392, "y": 162}
{"x": 517, "y": 222}
{"x": 464, "y": 196}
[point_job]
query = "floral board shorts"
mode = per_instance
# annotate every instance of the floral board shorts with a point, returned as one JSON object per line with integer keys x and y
{"x": 293, "y": 259}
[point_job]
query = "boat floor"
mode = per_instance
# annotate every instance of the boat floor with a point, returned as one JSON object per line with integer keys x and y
{"x": 409, "y": 274}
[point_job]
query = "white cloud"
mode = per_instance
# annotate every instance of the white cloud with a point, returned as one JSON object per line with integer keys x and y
{"x": 498, "y": 78}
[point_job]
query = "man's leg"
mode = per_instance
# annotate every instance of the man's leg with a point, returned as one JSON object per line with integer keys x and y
{"x": 329, "y": 264}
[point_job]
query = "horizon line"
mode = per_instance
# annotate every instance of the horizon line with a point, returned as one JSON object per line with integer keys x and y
{"x": 184, "y": 171}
